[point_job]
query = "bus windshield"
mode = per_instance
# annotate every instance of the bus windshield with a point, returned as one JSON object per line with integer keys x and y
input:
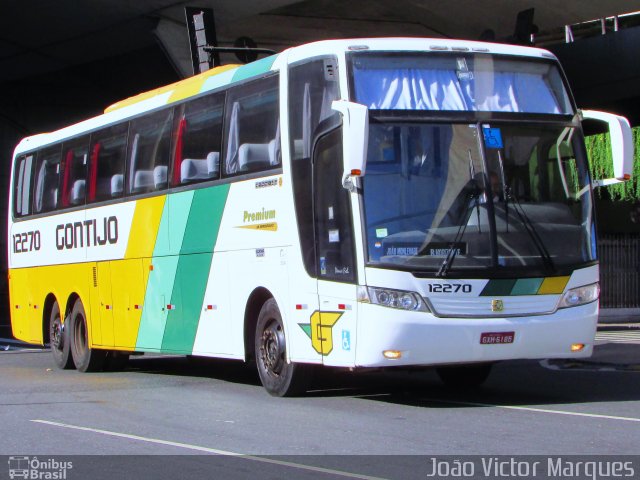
{"x": 453, "y": 197}
{"x": 458, "y": 82}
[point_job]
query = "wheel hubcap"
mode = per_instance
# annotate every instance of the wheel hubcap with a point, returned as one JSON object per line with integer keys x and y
{"x": 57, "y": 337}
{"x": 80, "y": 336}
{"x": 272, "y": 348}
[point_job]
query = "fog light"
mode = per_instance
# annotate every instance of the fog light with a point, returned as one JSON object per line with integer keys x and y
{"x": 576, "y": 347}
{"x": 392, "y": 354}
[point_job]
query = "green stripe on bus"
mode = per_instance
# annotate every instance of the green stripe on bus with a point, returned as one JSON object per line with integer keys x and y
{"x": 527, "y": 286}
{"x": 188, "y": 292}
{"x": 196, "y": 254}
{"x": 254, "y": 69}
{"x": 154, "y": 311}
{"x": 217, "y": 81}
{"x": 180, "y": 205}
{"x": 161, "y": 247}
{"x": 160, "y": 284}
{"x": 498, "y": 288}
{"x": 205, "y": 215}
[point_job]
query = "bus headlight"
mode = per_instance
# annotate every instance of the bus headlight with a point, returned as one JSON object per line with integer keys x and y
{"x": 397, "y": 299}
{"x": 580, "y": 296}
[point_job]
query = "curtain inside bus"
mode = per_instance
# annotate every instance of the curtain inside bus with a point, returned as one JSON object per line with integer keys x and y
{"x": 458, "y": 84}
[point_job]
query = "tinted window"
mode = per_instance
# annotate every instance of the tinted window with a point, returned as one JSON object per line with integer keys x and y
{"x": 198, "y": 139}
{"x": 252, "y": 127}
{"x": 75, "y": 155}
{"x": 312, "y": 87}
{"x": 334, "y": 233}
{"x": 149, "y": 152}
{"x": 22, "y": 186}
{"x": 106, "y": 171}
{"x": 46, "y": 195}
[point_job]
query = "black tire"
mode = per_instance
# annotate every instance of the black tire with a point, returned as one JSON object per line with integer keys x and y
{"x": 279, "y": 378}
{"x": 85, "y": 358}
{"x": 59, "y": 339}
{"x": 116, "y": 361}
{"x": 464, "y": 377}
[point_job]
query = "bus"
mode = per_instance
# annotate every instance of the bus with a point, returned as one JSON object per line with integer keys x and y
{"x": 368, "y": 203}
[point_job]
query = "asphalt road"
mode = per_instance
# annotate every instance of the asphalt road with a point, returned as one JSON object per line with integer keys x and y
{"x": 170, "y": 406}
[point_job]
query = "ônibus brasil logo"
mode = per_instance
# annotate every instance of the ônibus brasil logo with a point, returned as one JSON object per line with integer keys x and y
{"x": 33, "y": 468}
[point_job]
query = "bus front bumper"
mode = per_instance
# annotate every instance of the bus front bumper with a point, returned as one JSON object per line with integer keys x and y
{"x": 418, "y": 338}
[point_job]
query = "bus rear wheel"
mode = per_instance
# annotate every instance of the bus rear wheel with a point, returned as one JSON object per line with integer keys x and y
{"x": 279, "y": 378}
{"x": 464, "y": 377}
{"x": 59, "y": 339}
{"x": 85, "y": 358}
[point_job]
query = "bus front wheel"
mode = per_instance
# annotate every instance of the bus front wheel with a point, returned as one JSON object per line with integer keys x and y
{"x": 85, "y": 358}
{"x": 59, "y": 339}
{"x": 462, "y": 377}
{"x": 279, "y": 378}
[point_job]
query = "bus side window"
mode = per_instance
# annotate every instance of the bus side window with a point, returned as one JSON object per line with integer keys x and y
{"x": 45, "y": 196}
{"x": 313, "y": 86}
{"x": 252, "y": 127}
{"x": 22, "y": 186}
{"x": 106, "y": 168}
{"x": 197, "y": 140}
{"x": 75, "y": 157}
{"x": 149, "y": 152}
{"x": 334, "y": 232}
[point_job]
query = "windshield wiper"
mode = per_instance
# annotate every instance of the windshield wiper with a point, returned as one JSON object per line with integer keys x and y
{"x": 473, "y": 192}
{"x": 531, "y": 230}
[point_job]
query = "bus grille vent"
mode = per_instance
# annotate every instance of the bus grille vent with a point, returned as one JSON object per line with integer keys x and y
{"x": 95, "y": 276}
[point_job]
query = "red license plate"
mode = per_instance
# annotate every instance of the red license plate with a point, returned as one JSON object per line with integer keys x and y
{"x": 494, "y": 338}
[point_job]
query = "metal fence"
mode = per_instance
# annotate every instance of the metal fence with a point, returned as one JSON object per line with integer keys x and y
{"x": 619, "y": 270}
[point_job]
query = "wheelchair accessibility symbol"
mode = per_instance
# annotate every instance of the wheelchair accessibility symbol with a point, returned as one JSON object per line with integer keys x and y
{"x": 492, "y": 137}
{"x": 346, "y": 340}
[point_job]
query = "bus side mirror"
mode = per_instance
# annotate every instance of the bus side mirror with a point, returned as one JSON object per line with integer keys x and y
{"x": 621, "y": 145}
{"x": 355, "y": 137}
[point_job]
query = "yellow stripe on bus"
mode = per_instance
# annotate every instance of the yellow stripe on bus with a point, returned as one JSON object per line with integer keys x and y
{"x": 144, "y": 227}
{"x": 553, "y": 285}
{"x": 181, "y": 89}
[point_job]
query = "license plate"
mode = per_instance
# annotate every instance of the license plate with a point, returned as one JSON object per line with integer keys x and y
{"x": 494, "y": 338}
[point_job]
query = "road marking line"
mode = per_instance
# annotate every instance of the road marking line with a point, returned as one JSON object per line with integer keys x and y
{"x": 537, "y": 410}
{"x": 215, "y": 451}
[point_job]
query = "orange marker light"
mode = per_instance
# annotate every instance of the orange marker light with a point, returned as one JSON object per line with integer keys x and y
{"x": 392, "y": 354}
{"x": 576, "y": 347}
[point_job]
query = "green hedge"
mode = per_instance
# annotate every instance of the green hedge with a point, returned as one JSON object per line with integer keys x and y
{"x": 601, "y": 166}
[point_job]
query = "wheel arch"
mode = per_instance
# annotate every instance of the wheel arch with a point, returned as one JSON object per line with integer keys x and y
{"x": 70, "y": 303}
{"x": 46, "y": 316}
{"x": 256, "y": 300}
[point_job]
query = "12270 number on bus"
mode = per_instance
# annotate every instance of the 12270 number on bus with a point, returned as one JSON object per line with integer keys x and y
{"x": 449, "y": 288}
{"x": 26, "y": 241}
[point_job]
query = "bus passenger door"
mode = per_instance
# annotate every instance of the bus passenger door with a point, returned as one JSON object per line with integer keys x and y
{"x": 333, "y": 332}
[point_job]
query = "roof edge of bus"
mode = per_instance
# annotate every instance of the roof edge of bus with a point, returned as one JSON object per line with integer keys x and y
{"x": 391, "y": 43}
{"x": 182, "y": 87}
{"x": 201, "y": 82}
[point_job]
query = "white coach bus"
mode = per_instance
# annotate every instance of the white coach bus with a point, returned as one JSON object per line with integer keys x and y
{"x": 347, "y": 203}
